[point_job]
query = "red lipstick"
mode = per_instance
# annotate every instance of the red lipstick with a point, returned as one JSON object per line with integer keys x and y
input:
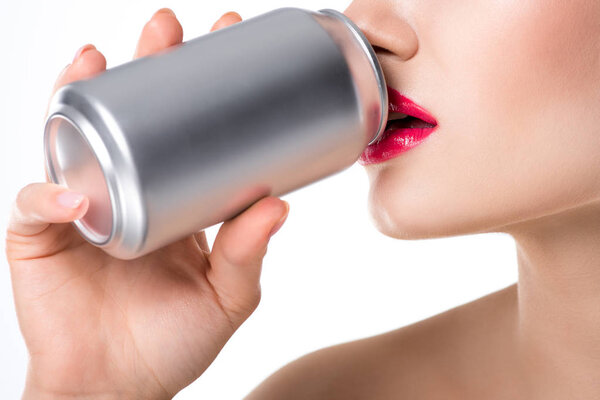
{"x": 401, "y": 134}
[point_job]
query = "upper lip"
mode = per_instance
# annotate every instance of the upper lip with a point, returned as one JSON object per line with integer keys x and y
{"x": 402, "y": 104}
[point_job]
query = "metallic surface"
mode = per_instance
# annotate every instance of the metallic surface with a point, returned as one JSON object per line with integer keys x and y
{"x": 368, "y": 76}
{"x": 172, "y": 143}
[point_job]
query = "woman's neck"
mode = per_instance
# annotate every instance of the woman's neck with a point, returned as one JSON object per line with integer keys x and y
{"x": 558, "y": 333}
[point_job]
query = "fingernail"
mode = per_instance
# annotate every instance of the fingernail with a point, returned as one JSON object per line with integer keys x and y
{"x": 165, "y": 11}
{"x": 82, "y": 50}
{"x": 70, "y": 199}
{"x": 232, "y": 13}
{"x": 281, "y": 221}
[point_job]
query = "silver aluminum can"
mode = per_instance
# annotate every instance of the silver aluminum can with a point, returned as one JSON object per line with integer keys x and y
{"x": 173, "y": 143}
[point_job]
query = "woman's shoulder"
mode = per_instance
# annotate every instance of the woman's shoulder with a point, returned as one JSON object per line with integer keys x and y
{"x": 452, "y": 352}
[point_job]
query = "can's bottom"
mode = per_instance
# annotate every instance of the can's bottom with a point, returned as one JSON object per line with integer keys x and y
{"x": 74, "y": 165}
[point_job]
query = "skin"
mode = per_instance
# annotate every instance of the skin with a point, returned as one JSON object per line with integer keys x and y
{"x": 513, "y": 86}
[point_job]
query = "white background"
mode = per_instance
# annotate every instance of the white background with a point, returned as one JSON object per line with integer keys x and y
{"x": 329, "y": 276}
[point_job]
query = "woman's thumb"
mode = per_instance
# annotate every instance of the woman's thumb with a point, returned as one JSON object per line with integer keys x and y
{"x": 39, "y": 204}
{"x": 36, "y": 207}
{"x": 237, "y": 254}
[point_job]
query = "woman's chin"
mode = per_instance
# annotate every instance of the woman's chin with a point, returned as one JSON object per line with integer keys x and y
{"x": 397, "y": 218}
{"x": 416, "y": 227}
{"x": 404, "y": 224}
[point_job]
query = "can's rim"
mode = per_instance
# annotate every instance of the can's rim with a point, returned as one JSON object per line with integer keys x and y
{"x": 71, "y": 161}
{"x": 96, "y": 160}
{"x": 375, "y": 66}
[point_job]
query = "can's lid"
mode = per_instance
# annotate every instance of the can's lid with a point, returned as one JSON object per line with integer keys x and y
{"x": 71, "y": 162}
{"x": 376, "y": 101}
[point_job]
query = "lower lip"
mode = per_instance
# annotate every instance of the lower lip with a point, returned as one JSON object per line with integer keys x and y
{"x": 393, "y": 143}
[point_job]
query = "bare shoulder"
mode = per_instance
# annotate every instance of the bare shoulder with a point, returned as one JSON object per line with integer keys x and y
{"x": 441, "y": 357}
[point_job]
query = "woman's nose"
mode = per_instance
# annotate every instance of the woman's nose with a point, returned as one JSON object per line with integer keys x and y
{"x": 384, "y": 28}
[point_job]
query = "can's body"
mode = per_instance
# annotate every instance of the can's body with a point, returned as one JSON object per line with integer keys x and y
{"x": 173, "y": 143}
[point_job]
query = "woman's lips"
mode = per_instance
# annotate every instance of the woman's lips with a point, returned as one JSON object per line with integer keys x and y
{"x": 400, "y": 135}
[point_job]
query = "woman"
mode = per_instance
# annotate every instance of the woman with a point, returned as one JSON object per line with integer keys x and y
{"x": 515, "y": 89}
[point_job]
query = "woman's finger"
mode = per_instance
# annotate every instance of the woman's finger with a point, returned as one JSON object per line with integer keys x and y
{"x": 162, "y": 31}
{"x": 229, "y": 18}
{"x": 237, "y": 254}
{"x": 88, "y": 62}
{"x": 40, "y": 204}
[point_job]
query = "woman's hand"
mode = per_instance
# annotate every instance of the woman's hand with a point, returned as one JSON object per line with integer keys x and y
{"x": 100, "y": 327}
